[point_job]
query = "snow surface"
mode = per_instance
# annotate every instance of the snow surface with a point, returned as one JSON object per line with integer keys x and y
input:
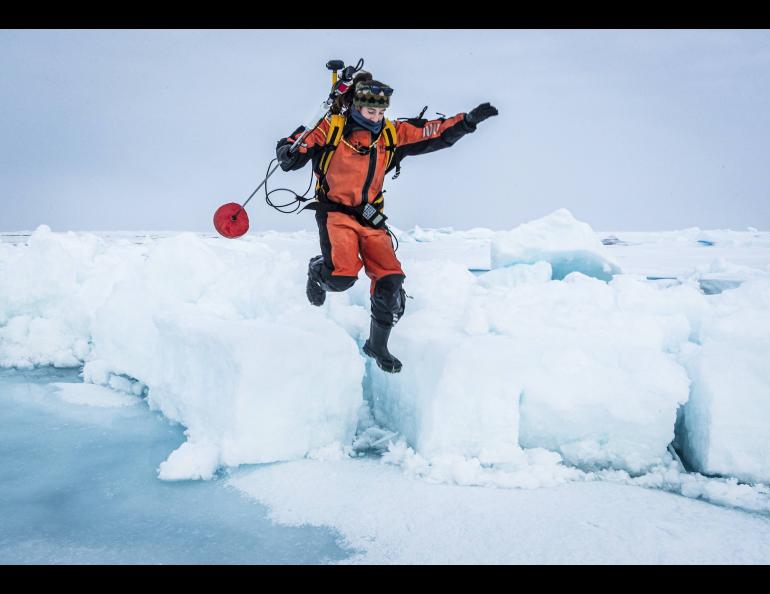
{"x": 388, "y": 517}
{"x": 532, "y": 357}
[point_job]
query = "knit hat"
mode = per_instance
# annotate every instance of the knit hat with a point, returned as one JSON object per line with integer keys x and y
{"x": 371, "y": 93}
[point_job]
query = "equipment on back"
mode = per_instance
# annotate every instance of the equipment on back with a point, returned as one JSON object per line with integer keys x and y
{"x": 226, "y": 218}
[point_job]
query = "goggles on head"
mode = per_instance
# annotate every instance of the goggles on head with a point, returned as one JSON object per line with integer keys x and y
{"x": 372, "y": 95}
{"x": 373, "y": 89}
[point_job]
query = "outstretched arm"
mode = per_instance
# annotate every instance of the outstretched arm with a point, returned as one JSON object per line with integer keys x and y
{"x": 305, "y": 151}
{"x": 419, "y": 137}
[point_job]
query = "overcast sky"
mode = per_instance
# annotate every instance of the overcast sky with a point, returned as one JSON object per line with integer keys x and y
{"x": 153, "y": 130}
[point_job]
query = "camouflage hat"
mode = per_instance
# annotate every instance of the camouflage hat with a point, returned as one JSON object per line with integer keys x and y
{"x": 372, "y": 94}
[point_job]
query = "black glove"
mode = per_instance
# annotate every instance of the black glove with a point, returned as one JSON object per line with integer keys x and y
{"x": 285, "y": 158}
{"x": 480, "y": 113}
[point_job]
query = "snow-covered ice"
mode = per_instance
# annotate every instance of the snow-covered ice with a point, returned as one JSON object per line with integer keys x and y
{"x": 533, "y": 358}
{"x": 572, "y": 366}
{"x": 388, "y": 517}
{"x": 568, "y": 244}
{"x": 78, "y": 487}
{"x": 726, "y": 422}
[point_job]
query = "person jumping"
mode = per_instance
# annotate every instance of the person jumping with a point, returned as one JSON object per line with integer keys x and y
{"x": 352, "y": 149}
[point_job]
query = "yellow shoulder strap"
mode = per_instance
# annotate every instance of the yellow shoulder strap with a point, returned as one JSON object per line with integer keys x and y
{"x": 337, "y": 122}
{"x": 333, "y": 137}
{"x": 390, "y": 141}
{"x": 389, "y": 131}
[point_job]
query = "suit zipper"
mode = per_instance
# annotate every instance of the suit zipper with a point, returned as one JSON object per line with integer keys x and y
{"x": 369, "y": 174}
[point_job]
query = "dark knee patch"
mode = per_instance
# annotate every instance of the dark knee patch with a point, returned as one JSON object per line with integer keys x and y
{"x": 389, "y": 284}
{"x": 321, "y": 273}
{"x": 338, "y": 283}
{"x": 389, "y": 299}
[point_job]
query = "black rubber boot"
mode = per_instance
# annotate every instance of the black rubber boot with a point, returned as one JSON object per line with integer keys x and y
{"x": 315, "y": 293}
{"x": 377, "y": 346}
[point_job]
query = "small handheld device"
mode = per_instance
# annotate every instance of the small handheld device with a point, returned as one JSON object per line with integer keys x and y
{"x": 371, "y": 215}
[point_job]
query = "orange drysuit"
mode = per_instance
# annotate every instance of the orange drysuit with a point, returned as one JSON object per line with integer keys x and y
{"x": 355, "y": 175}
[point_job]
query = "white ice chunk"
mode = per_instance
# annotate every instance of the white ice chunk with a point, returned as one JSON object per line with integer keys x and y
{"x": 574, "y": 366}
{"x": 190, "y": 461}
{"x": 727, "y": 419}
{"x": 253, "y": 389}
{"x": 568, "y": 244}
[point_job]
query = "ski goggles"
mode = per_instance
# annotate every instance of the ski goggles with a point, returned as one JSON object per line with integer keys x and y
{"x": 374, "y": 89}
{"x": 372, "y": 95}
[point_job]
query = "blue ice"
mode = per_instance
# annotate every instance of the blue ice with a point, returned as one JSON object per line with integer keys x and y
{"x": 78, "y": 485}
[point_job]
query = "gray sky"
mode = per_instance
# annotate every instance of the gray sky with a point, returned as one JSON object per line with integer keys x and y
{"x": 153, "y": 130}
